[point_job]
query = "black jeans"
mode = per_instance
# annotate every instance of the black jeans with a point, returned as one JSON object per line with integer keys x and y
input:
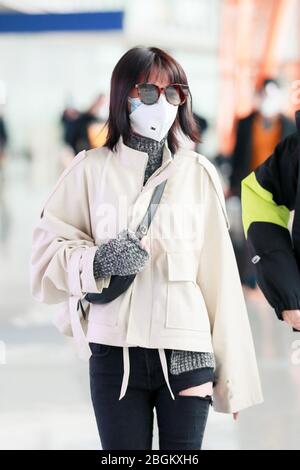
{"x": 127, "y": 424}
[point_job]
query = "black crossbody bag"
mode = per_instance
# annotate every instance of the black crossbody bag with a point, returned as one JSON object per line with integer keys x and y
{"x": 119, "y": 284}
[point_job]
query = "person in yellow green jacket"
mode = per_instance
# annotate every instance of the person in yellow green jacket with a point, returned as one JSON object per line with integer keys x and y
{"x": 269, "y": 194}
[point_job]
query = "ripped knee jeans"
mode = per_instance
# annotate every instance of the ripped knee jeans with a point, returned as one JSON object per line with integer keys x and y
{"x": 128, "y": 423}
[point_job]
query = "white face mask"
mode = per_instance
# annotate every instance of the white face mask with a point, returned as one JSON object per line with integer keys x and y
{"x": 153, "y": 120}
{"x": 271, "y": 104}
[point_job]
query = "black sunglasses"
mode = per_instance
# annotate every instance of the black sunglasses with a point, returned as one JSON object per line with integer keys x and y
{"x": 175, "y": 93}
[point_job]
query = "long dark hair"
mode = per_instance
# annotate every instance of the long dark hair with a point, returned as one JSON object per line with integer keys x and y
{"x": 136, "y": 63}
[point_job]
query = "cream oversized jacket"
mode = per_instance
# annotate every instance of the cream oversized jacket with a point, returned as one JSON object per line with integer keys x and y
{"x": 188, "y": 296}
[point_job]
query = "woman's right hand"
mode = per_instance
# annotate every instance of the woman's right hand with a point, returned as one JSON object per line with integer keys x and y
{"x": 123, "y": 255}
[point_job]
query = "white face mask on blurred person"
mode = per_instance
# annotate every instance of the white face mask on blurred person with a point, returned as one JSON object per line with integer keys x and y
{"x": 270, "y": 107}
{"x": 271, "y": 104}
{"x": 153, "y": 120}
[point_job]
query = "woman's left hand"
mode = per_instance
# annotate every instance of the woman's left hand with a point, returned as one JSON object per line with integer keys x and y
{"x": 235, "y": 416}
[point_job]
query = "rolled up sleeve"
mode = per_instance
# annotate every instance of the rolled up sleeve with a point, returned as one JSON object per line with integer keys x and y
{"x": 63, "y": 248}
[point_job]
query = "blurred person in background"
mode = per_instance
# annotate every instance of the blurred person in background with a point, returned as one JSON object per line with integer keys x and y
{"x": 256, "y": 137}
{"x": 202, "y": 126}
{"x": 269, "y": 194}
{"x": 3, "y": 140}
{"x": 68, "y": 121}
{"x": 178, "y": 340}
{"x": 97, "y": 129}
{"x": 84, "y": 130}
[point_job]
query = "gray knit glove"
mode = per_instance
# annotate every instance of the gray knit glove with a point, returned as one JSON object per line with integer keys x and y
{"x": 122, "y": 255}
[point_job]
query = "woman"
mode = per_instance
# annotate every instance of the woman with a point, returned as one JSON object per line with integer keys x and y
{"x": 179, "y": 335}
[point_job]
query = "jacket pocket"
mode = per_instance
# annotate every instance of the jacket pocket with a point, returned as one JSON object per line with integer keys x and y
{"x": 185, "y": 307}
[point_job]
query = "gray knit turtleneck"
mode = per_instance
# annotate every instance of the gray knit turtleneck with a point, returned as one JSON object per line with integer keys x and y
{"x": 181, "y": 361}
{"x": 150, "y": 146}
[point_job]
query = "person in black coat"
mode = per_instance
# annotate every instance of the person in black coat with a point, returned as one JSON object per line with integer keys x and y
{"x": 269, "y": 195}
{"x": 269, "y": 110}
{"x": 257, "y": 134}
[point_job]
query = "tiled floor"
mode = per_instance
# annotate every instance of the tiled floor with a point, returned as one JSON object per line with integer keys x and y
{"x": 45, "y": 402}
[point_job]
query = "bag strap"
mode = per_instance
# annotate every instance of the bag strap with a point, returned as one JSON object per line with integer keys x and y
{"x": 152, "y": 207}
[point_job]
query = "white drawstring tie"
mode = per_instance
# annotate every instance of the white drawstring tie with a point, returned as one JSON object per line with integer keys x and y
{"x": 126, "y": 370}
